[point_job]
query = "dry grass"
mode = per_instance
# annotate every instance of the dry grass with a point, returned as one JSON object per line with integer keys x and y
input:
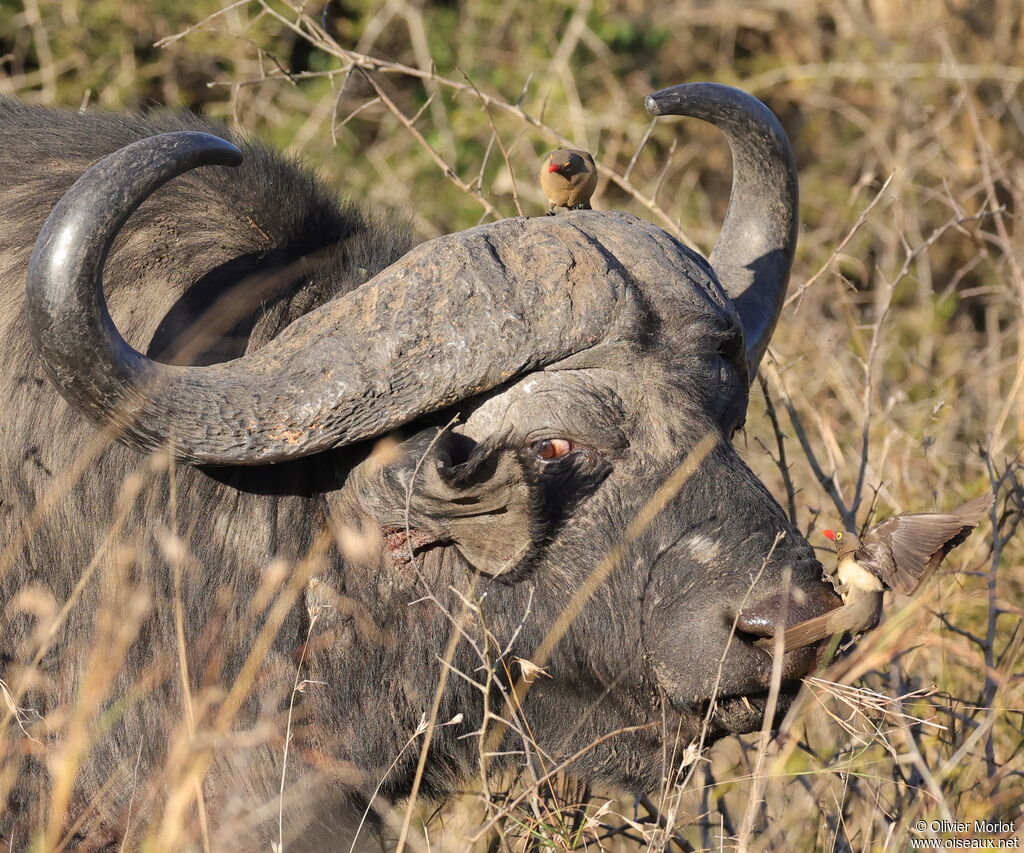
{"x": 895, "y": 380}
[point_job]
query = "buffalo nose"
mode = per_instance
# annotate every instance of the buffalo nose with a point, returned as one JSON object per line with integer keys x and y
{"x": 777, "y": 612}
{"x": 782, "y": 609}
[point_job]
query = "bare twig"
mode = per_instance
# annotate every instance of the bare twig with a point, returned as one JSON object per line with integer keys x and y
{"x": 448, "y": 171}
{"x": 501, "y": 145}
{"x": 863, "y": 218}
{"x": 310, "y": 30}
{"x": 780, "y": 443}
{"x": 826, "y": 481}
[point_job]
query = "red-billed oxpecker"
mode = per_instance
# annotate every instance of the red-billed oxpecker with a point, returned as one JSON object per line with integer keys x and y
{"x": 898, "y": 554}
{"x": 569, "y": 178}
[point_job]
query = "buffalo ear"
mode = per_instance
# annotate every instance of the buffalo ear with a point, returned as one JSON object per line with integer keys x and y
{"x": 479, "y": 497}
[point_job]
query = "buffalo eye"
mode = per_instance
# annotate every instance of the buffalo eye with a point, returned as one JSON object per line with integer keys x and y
{"x": 550, "y": 449}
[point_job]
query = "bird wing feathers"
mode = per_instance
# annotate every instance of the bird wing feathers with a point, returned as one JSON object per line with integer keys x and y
{"x": 859, "y": 614}
{"x": 906, "y": 548}
{"x": 804, "y": 633}
{"x": 975, "y": 510}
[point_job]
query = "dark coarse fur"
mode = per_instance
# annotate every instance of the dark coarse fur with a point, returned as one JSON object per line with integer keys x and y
{"x": 191, "y": 242}
{"x": 184, "y": 575}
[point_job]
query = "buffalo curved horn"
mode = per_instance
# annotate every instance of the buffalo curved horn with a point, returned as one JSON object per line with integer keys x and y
{"x": 755, "y": 247}
{"x": 454, "y": 318}
{"x": 446, "y": 322}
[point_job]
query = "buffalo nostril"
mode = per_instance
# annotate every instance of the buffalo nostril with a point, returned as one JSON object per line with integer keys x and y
{"x": 758, "y": 621}
{"x": 763, "y": 618}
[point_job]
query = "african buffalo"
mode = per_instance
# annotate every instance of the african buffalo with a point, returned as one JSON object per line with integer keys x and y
{"x": 208, "y": 513}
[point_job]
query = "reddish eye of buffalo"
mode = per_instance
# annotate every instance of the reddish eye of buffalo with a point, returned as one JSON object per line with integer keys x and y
{"x": 553, "y": 448}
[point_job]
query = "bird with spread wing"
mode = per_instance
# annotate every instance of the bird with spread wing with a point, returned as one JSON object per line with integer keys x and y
{"x": 898, "y": 554}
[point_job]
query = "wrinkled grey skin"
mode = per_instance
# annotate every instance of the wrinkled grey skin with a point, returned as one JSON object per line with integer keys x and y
{"x": 593, "y": 327}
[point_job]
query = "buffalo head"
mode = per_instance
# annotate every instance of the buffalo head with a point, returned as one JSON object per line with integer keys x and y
{"x": 566, "y": 387}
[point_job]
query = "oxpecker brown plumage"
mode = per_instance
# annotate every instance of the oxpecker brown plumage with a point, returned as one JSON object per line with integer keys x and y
{"x": 897, "y": 554}
{"x": 569, "y": 178}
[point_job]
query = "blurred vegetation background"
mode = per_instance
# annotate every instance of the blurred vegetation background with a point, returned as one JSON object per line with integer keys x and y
{"x": 895, "y": 380}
